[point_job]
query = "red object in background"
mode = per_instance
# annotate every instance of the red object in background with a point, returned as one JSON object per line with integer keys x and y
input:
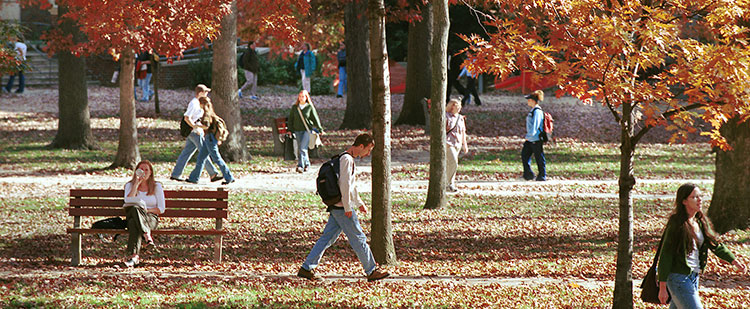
{"x": 398, "y": 77}
{"x": 524, "y": 83}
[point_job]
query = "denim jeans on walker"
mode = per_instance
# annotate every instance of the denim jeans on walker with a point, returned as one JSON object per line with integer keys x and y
{"x": 338, "y": 222}
{"x": 210, "y": 148}
{"x": 146, "y": 91}
{"x": 21, "y": 82}
{"x": 684, "y": 291}
{"x": 538, "y": 151}
{"x": 192, "y": 143}
{"x": 342, "y": 81}
{"x": 303, "y": 140}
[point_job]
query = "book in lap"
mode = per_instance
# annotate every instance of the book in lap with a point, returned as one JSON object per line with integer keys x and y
{"x": 134, "y": 201}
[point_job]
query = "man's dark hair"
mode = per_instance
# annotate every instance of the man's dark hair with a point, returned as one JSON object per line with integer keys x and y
{"x": 363, "y": 139}
{"x": 250, "y": 43}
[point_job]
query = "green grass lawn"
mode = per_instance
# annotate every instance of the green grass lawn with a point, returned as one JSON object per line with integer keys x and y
{"x": 270, "y": 233}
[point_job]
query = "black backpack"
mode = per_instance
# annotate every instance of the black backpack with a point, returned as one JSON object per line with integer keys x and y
{"x": 110, "y": 223}
{"x": 185, "y": 128}
{"x": 328, "y": 181}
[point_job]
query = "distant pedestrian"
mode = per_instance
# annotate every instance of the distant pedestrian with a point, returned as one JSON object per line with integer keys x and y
{"x": 534, "y": 144}
{"x": 305, "y": 65}
{"x": 454, "y": 69}
{"x": 341, "y": 57}
{"x": 20, "y": 48}
{"x": 195, "y": 140}
{"x": 303, "y": 117}
{"x": 144, "y": 61}
{"x": 456, "y": 140}
{"x": 343, "y": 217}
{"x": 216, "y": 133}
{"x": 470, "y": 89}
{"x": 684, "y": 251}
{"x": 249, "y": 63}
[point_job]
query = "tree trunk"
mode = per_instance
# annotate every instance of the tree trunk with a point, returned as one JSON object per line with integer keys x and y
{"x": 418, "y": 69}
{"x": 74, "y": 122}
{"x": 436, "y": 190}
{"x": 730, "y": 208}
{"x": 127, "y": 149}
{"x": 382, "y": 229}
{"x": 359, "y": 88}
{"x": 623, "y": 293}
{"x": 155, "y": 67}
{"x": 224, "y": 88}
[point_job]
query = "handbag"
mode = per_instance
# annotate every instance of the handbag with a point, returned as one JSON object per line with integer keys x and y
{"x": 314, "y": 136}
{"x": 185, "y": 128}
{"x": 650, "y": 283}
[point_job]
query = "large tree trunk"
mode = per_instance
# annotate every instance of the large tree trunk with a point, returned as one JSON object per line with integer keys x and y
{"x": 224, "y": 88}
{"x": 436, "y": 190}
{"x": 623, "y": 293}
{"x": 359, "y": 90}
{"x": 74, "y": 122}
{"x": 127, "y": 148}
{"x": 418, "y": 69}
{"x": 730, "y": 204}
{"x": 382, "y": 229}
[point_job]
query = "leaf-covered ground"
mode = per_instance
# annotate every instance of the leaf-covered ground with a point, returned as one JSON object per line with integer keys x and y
{"x": 452, "y": 257}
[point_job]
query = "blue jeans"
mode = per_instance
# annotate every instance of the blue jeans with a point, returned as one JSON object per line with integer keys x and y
{"x": 303, "y": 140}
{"x": 21, "y": 82}
{"x": 193, "y": 143}
{"x": 538, "y": 151}
{"x": 146, "y": 91}
{"x": 684, "y": 291}
{"x": 342, "y": 80}
{"x": 210, "y": 148}
{"x": 338, "y": 222}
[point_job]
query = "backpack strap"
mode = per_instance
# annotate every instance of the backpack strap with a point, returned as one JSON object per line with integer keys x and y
{"x": 541, "y": 129}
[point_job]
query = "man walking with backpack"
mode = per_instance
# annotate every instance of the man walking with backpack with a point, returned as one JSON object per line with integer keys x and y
{"x": 343, "y": 216}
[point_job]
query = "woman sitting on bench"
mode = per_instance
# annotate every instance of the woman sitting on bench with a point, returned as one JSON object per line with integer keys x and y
{"x": 144, "y": 201}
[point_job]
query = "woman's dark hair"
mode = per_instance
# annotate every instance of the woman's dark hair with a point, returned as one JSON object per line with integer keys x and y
{"x": 685, "y": 234}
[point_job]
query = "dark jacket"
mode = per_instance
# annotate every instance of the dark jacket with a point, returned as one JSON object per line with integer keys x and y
{"x": 250, "y": 61}
{"x": 676, "y": 262}
{"x": 294, "y": 122}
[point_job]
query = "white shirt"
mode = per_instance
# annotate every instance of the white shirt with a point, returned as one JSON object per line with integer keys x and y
{"x": 455, "y": 137}
{"x": 151, "y": 201}
{"x": 693, "y": 259}
{"x": 22, "y": 52}
{"x": 195, "y": 112}
{"x": 349, "y": 195}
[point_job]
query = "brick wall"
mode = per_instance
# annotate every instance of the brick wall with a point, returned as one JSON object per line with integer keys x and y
{"x": 172, "y": 75}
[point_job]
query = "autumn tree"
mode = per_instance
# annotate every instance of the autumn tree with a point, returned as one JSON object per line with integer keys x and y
{"x": 125, "y": 27}
{"x": 436, "y": 197}
{"x": 419, "y": 66}
{"x": 382, "y": 229}
{"x": 636, "y": 58}
{"x": 359, "y": 101}
{"x": 74, "y": 120}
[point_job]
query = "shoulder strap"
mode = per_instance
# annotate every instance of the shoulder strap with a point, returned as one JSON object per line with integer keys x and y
{"x": 532, "y": 115}
{"x": 658, "y": 249}
{"x": 302, "y": 118}
{"x": 458, "y": 118}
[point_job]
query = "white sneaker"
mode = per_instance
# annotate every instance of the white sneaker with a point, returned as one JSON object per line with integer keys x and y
{"x": 300, "y": 169}
{"x": 132, "y": 262}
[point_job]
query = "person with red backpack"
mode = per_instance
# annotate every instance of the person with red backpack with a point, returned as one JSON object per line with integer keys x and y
{"x": 534, "y": 138}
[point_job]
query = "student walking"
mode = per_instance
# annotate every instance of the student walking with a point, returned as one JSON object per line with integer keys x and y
{"x": 303, "y": 117}
{"x": 534, "y": 144}
{"x": 195, "y": 140}
{"x": 251, "y": 67}
{"x": 305, "y": 65}
{"x": 343, "y": 217}
{"x": 341, "y": 57}
{"x": 687, "y": 238}
{"x": 20, "y": 48}
{"x": 455, "y": 139}
{"x": 144, "y": 61}
{"x": 216, "y": 132}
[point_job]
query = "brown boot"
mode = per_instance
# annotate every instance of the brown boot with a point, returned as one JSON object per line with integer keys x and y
{"x": 309, "y": 275}
{"x": 377, "y": 274}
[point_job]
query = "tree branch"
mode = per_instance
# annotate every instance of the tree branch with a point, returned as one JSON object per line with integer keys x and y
{"x": 666, "y": 114}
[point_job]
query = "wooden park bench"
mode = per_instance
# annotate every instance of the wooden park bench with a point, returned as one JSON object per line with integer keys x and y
{"x": 179, "y": 204}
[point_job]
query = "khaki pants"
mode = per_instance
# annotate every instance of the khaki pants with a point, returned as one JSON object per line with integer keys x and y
{"x": 139, "y": 222}
{"x": 451, "y": 159}
{"x": 305, "y": 80}
{"x": 251, "y": 79}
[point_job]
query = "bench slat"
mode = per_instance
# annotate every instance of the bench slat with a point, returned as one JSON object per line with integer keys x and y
{"x": 168, "y": 203}
{"x": 212, "y": 194}
{"x": 155, "y": 232}
{"x": 174, "y": 213}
